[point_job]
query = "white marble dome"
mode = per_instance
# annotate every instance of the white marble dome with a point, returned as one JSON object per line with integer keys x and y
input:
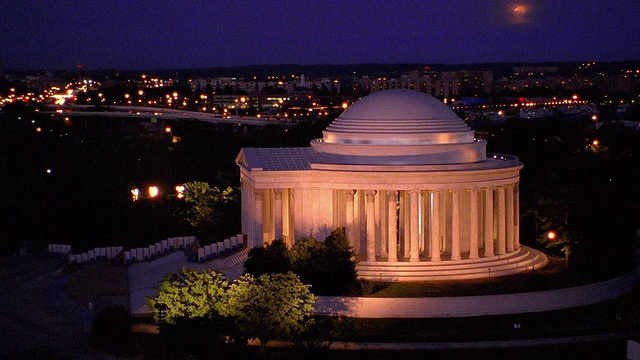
{"x": 399, "y": 127}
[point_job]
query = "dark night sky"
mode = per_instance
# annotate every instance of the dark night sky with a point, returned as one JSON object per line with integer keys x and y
{"x": 126, "y": 34}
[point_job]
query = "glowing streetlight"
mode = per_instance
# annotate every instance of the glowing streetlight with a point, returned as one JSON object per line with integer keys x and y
{"x": 551, "y": 235}
{"x": 153, "y": 191}
{"x": 180, "y": 191}
{"x": 135, "y": 194}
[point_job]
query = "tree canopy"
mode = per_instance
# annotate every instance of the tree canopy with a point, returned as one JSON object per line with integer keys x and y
{"x": 270, "y": 306}
{"x": 580, "y": 183}
{"x": 329, "y": 266}
{"x": 208, "y": 208}
{"x": 268, "y": 259}
{"x": 189, "y": 294}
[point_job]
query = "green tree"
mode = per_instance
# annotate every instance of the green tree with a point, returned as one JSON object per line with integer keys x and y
{"x": 309, "y": 261}
{"x": 270, "y": 306}
{"x": 268, "y": 259}
{"x": 341, "y": 263}
{"x": 208, "y": 208}
{"x": 328, "y": 266}
{"x": 189, "y": 294}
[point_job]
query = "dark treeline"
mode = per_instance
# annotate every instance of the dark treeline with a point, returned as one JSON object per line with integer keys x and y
{"x": 499, "y": 69}
{"x": 581, "y": 183}
{"x": 70, "y": 181}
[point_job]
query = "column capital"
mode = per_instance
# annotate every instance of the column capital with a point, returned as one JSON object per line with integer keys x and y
{"x": 259, "y": 193}
{"x": 351, "y": 192}
{"x": 370, "y": 194}
{"x": 277, "y": 192}
{"x": 392, "y": 193}
{"x": 414, "y": 191}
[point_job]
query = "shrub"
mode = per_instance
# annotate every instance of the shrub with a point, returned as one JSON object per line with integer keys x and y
{"x": 111, "y": 327}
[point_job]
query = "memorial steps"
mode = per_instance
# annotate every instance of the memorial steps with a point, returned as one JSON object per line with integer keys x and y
{"x": 521, "y": 260}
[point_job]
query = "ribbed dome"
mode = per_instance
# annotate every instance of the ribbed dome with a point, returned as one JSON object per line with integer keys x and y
{"x": 398, "y": 117}
{"x": 399, "y": 127}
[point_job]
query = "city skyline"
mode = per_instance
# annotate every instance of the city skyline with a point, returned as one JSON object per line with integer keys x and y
{"x": 201, "y": 34}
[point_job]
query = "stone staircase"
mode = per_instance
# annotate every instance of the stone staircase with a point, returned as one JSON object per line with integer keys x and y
{"x": 231, "y": 265}
{"x": 524, "y": 259}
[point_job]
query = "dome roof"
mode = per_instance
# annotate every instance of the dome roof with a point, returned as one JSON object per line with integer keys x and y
{"x": 399, "y": 127}
{"x": 400, "y": 104}
{"x": 398, "y": 117}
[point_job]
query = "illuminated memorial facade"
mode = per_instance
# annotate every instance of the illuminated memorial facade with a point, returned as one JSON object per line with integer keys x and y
{"x": 416, "y": 193}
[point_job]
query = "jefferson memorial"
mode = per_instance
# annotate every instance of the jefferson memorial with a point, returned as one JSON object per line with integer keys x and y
{"x": 418, "y": 196}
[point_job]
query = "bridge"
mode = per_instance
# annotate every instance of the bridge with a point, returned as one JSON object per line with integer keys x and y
{"x": 142, "y": 112}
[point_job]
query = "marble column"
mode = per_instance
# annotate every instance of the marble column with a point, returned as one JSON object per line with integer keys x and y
{"x": 516, "y": 219}
{"x": 509, "y": 218}
{"x": 350, "y": 220}
{"x": 413, "y": 224}
{"x": 426, "y": 227}
{"x": 392, "y": 198}
{"x": 277, "y": 195}
{"x": 502, "y": 239}
{"x": 488, "y": 222}
{"x": 258, "y": 230}
{"x": 405, "y": 223}
{"x": 473, "y": 223}
{"x": 435, "y": 227}
{"x": 455, "y": 225}
{"x": 371, "y": 225}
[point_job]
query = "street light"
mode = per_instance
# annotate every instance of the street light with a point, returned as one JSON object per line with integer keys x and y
{"x": 180, "y": 191}
{"x": 153, "y": 191}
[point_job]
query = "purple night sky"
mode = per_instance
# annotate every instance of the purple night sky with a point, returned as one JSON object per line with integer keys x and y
{"x": 117, "y": 34}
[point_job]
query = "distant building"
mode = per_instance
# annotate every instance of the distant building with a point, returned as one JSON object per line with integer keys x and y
{"x": 440, "y": 84}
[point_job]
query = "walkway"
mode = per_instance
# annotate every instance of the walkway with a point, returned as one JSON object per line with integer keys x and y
{"x": 144, "y": 277}
{"x": 468, "y": 306}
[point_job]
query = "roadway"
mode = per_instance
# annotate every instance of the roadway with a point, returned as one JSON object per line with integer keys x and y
{"x": 142, "y": 112}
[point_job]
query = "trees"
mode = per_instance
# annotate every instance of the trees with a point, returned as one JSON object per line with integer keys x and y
{"x": 195, "y": 307}
{"x": 309, "y": 261}
{"x": 207, "y": 208}
{"x": 583, "y": 191}
{"x": 270, "y": 306}
{"x": 341, "y": 266}
{"x": 189, "y": 294}
{"x": 327, "y": 266}
{"x": 269, "y": 259}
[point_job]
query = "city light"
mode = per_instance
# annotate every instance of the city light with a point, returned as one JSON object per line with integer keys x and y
{"x": 135, "y": 194}
{"x": 153, "y": 191}
{"x": 551, "y": 235}
{"x": 180, "y": 191}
